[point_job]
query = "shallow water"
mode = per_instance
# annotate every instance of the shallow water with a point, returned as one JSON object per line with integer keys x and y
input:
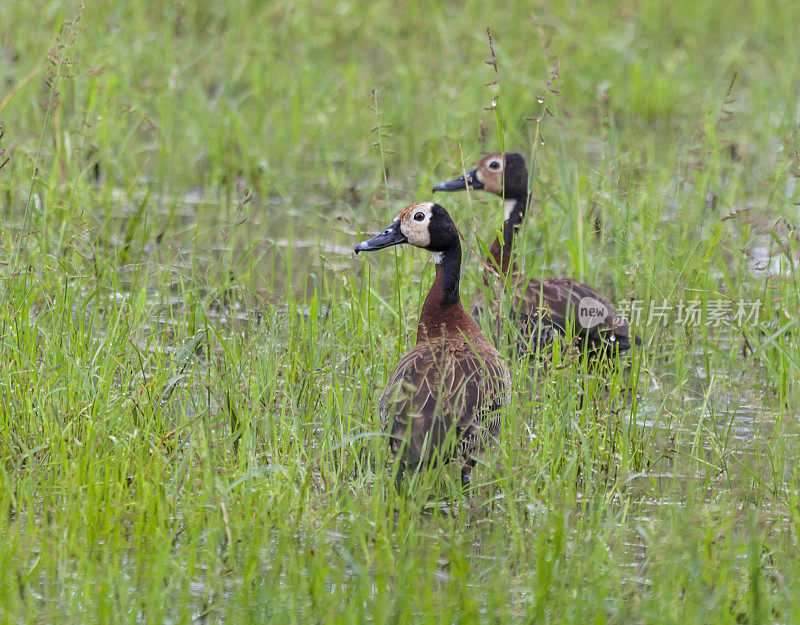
{"x": 713, "y": 416}
{"x": 286, "y": 246}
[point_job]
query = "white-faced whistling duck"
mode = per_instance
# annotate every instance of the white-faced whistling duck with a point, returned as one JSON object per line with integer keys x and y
{"x": 506, "y": 175}
{"x": 452, "y": 384}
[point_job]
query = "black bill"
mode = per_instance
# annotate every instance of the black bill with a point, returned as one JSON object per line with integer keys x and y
{"x": 391, "y": 236}
{"x": 460, "y": 183}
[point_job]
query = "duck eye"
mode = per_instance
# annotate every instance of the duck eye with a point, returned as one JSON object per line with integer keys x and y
{"x": 419, "y": 216}
{"x": 494, "y": 165}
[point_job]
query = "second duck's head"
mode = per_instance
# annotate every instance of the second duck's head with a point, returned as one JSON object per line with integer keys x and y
{"x": 502, "y": 174}
{"x": 422, "y": 224}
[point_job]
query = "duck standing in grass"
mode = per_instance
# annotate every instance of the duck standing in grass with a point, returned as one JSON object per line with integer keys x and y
{"x": 445, "y": 396}
{"x": 539, "y": 305}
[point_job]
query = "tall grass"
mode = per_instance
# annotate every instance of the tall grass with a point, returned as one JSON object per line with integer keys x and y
{"x": 189, "y": 378}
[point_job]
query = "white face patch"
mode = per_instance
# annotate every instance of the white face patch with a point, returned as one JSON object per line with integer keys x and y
{"x": 489, "y": 172}
{"x": 438, "y": 257}
{"x": 414, "y": 223}
{"x": 508, "y": 208}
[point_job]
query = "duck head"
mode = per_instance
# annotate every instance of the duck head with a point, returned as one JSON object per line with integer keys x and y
{"x": 422, "y": 224}
{"x": 502, "y": 174}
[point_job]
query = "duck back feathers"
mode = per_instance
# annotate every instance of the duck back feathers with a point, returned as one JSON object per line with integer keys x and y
{"x": 451, "y": 387}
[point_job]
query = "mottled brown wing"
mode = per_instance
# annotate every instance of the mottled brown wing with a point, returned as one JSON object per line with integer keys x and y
{"x": 479, "y": 386}
{"x": 532, "y": 322}
{"x": 408, "y": 403}
{"x": 440, "y": 390}
{"x": 571, "y": 302}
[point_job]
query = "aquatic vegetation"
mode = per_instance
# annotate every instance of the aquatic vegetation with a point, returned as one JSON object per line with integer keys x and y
{"x": 191, "y": 355}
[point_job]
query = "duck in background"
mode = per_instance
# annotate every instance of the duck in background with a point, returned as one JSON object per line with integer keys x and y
{"x": 539, "y": 306}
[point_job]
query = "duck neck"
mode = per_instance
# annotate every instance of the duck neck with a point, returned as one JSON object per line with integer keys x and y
{"x": 442, "y": 312}
{"x": 500, "y": 252}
